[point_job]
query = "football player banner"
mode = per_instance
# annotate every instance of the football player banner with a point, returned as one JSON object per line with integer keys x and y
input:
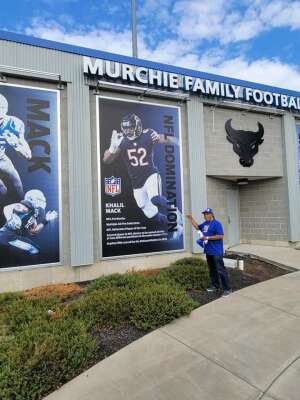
{"x": 298, "y": 151}
{"x": 29, "y": 176}
{"x": 141, "y": 184}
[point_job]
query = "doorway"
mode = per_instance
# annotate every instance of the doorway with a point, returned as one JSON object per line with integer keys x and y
{"x": 233, "y": 216}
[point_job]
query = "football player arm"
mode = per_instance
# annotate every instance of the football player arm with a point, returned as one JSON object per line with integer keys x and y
{"x": 114, "y": 149}
{"x": 16, "y": 207}
{"x": 163, "y": 139}
{"x": 23, "y": 147}
{"x": 16, "y": 139}
{"x": 35, "y": 229}
{"x": 50, "y": 216}
{"x": 109, "y": 157}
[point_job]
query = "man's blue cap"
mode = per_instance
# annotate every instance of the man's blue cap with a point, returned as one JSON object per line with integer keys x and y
{"x": 208, "y": 211}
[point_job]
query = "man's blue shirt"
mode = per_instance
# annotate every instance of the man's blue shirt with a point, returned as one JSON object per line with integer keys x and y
{"x": 212, "y": 228}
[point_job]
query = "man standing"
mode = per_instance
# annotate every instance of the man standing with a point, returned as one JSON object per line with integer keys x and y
{"x": 211, "y": 232}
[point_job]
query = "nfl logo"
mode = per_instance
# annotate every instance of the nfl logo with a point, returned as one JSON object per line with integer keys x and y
{"x": 112, "y": 186}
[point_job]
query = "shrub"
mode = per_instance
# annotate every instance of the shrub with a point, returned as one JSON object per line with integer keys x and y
{"x": 46, "y": 354}
{"x": 128, "y": 280}
{"x": 8, "y": 297}
{"x": 198, "y": 261}
{"x": 108, "y": 306}
{"x": 189, "y": 273}
{"x": 163, "y": 278}
{"x": 20, "y": 311}
{"x": 156, "y": 305}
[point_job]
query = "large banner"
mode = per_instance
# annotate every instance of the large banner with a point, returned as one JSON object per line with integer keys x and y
{"x": 141, "y": 185}
{"x": 298, "y": 151}
{"x": 29, "y": 176}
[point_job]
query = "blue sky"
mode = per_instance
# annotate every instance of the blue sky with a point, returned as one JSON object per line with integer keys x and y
{"x": 256, "y": 40}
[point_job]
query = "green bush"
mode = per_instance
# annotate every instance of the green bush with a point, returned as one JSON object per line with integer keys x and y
{"x": 19, "y": 312}
{"x": 108, "y": 306}
{"x": 198, "y": 261}
{"x": 156, "y": 305}
{"x": 46, "y": 354}
{"x": 8, "y": 297}
{"x": 128, "y": 280}
{"x": 189, "y": 273}
{"x": 162, "y": 278}
{"x": 38, "y": 352}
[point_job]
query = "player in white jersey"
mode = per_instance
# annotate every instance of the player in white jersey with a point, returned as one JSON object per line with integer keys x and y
{"x": 25, "y": 220}
{"x": 11, "y": 136}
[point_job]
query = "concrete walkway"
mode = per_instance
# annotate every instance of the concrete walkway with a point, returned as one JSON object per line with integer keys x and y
{"x": 278, "y": 255}
{"x": 243, "y": 347}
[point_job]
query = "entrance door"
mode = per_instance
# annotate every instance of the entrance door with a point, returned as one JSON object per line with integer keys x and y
{"x": 233, "y": 210}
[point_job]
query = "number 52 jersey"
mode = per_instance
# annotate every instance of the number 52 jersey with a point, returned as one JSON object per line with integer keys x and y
{"x": 137, "y": 155}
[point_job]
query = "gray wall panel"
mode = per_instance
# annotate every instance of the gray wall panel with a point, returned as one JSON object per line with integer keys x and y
{"x": 196, "y": 149}
{"x": 290, "y": 142}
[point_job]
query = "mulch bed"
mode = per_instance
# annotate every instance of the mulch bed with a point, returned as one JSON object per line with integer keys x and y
{"x": 255, "y": 271}
{"x": 113, "y": 339}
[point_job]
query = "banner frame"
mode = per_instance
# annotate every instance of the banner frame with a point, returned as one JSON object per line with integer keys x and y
{"x": 99, "y": 189}
{"x": 34, "y": 266}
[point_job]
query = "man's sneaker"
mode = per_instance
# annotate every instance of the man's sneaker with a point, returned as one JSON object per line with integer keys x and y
{"x": 211, "y": 289}
{"x": 226, "y": 293}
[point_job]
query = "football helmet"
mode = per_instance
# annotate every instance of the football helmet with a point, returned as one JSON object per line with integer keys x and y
{"x": 3, "y": 106}
{"x": 36, "y": 198}
{"x": 131, "y": 126}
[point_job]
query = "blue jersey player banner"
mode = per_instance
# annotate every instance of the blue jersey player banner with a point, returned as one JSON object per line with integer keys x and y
{"x": 140, "y": 179}
{"x": 298, "y": 151}
{"x": 29, "y": 176}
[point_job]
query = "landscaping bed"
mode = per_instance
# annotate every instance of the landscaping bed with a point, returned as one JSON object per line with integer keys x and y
{"x": 51, "y": 334}
{"x": 255, "y": 271}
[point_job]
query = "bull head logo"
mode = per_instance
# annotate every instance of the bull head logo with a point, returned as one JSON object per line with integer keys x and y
{"x": 245, "y": 143}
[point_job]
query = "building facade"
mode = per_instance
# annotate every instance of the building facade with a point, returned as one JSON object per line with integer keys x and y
{"x": 111, "y": 201}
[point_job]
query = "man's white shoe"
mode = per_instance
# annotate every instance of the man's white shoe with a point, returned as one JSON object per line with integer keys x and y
{"x": 227, "y": 293}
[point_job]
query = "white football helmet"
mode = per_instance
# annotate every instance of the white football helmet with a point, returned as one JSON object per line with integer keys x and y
{"x": 3, "y": 106}
{"x": 36, "y": 198}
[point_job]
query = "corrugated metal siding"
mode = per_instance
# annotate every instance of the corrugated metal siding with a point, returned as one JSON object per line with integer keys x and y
{"x": 196, "y": 147}
{"x": 291, "y": 148}
{"x": 79, "y": 139}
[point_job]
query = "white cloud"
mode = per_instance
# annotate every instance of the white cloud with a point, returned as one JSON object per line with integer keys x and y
{"x": 174, "y": 52}
{"x": 225, "y": 22}
{"x": 269, "y": 72}
{"x": 103, "y": 38}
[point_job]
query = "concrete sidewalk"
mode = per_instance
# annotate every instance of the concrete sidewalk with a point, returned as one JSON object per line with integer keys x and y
{"x": 243, "y": 347}
{"x": 278, "y": 255}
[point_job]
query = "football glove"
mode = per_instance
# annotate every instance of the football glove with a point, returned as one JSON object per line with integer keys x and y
{"x": 115, "y": 141}
{"x": 155, "y": 137}
{"x": 51, "y": 215}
